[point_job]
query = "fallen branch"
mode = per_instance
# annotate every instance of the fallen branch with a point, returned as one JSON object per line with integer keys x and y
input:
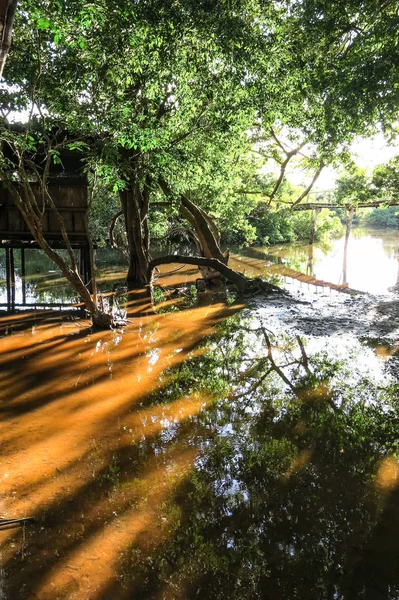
{"x": 243, "y": 283}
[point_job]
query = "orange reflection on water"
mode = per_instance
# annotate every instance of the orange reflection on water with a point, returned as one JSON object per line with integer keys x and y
{"x": 313, "y": 394}
{"x": 103, "y": 548}
{"x": 387, "y": 477}
{"x": 299, "y": 462}
{"x": 75, "y": 413}
{"x": 386, "y": 351}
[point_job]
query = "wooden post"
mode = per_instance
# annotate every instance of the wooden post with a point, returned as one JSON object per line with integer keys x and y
{"x": 349, "y": 218}
{"x": 90, "y": 274}
{"x": 310, "y": 261}
{"x": 12, "y": 279}
{"x": 315, "y": 214}
{"x": 86, "y": 271}
{"x": 396, "y": 286}
{"x": 23, "y": 275}
{"x": 8, "y": 279}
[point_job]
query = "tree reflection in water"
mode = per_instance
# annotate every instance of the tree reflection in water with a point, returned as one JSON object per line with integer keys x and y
{"x": 295, "y": 493}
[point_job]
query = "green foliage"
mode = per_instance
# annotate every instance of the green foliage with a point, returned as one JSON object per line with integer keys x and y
{"x": 175, "y": 90}
{"x": 353, "y": 188}
{"x": 383, "y": 217}
{"x": 159, "y": 224}
{"x": 350, "y": 51}
{"x": 157, "y": 295}
{"x": 356, "y": 187}
{"x": 327, "y": 224}
{"x": 274, "y": 227}
{"x": 386, "y": 180}
{"x": 104, "y": 205}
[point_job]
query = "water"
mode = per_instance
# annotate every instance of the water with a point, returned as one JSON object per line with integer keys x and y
{"x": 207, "y": 450}
{"x": 370, "y": 263}
{"x": 44, "y": 283}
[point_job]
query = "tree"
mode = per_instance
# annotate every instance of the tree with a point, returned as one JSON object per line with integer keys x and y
{"x": 385, "y": 180}
{"x": 24, "y": 195}
{"x": 353, "y": 188}
{"x": 156, "y": 86}
{"x": 7, "y": 13}
{"x": 348, "y": 52}
{"x": 139, "y": 107}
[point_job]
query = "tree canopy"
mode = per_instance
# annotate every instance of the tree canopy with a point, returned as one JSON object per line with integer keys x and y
{"x": 171, "y": 95}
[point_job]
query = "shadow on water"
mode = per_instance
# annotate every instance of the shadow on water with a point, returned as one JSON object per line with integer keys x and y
{"x": 197, "y": 454}
{"x": 78, "y": 448}
{"x": 294, "y": 491}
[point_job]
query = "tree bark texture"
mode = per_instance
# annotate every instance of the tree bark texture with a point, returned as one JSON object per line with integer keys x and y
{"x": 135, "y": 210}
{"x": 204, "y": 228}
{"x": 205, "y": 231}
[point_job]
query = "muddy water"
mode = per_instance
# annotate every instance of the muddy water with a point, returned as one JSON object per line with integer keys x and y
{"x": 82, "y": 449}
{"x": 207, "y": 450}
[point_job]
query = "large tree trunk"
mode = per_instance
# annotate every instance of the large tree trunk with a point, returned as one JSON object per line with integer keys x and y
{"x": 135, "y": 210}
{"x": 204, "y": 230}
{"x": 207, "y": 235}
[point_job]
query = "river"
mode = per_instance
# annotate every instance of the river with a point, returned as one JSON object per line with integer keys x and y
{"x": 211, "y": 448}
{"x": 370, "y": 263}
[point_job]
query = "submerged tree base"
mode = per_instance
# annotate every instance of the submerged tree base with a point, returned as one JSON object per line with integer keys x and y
{"x": 102, "y": 320}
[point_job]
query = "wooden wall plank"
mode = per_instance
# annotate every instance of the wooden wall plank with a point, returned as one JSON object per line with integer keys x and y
{"x": 71, "y": 201}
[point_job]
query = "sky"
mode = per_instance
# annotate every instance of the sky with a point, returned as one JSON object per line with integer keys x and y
{"x": 367, "y": 154}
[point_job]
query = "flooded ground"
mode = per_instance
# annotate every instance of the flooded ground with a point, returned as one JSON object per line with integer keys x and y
{"x": 210, "y": 449}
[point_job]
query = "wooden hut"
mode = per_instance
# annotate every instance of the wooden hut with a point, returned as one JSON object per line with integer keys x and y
{"x": 68, "y": 187}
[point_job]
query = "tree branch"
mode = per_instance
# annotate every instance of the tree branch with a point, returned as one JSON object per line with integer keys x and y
{"x": 112, "y": 227}
{"x": 310, "y": 186}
